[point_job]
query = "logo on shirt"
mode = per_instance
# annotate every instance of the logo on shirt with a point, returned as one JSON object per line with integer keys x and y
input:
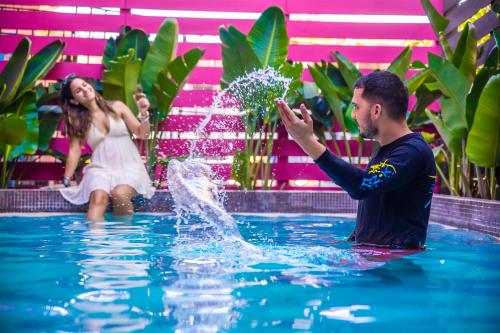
{"x": 377, "y": 172}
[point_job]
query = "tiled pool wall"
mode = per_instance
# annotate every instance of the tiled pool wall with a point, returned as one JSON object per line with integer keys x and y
{"x": 473, "y": 214}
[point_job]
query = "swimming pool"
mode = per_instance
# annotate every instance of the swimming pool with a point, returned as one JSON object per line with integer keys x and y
{"x": 60, "y": 273}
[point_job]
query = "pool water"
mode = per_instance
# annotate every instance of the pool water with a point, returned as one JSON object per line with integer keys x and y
{"x": 297, "y": 273}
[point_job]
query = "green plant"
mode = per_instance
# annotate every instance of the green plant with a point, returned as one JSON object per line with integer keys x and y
{"x": 265, "y": 46}
{"x": 132, "y": 62}
{"x": 333, "y": 102}
{"x": 469, "y": 123}
{"x": 19, "y": 116}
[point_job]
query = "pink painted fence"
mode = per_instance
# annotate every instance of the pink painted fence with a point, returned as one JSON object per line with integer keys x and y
{"x": 33, "y": 21}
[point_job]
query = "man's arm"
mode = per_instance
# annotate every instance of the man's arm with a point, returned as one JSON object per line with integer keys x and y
{"x": 399, "y": 168}
{"x": 395, "y": 170}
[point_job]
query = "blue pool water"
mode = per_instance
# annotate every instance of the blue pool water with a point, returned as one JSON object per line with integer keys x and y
{"x": 63, "y": 274}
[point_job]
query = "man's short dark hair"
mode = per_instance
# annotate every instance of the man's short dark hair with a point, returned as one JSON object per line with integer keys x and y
{"x": 385, "y": 88}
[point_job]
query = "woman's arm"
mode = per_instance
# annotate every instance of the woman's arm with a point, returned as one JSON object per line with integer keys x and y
{"x": 140, "y": 127}
{"x": 75, "y": 151}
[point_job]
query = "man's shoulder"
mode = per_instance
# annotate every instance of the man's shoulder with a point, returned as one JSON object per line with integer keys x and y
{"x": 416, "y": 144}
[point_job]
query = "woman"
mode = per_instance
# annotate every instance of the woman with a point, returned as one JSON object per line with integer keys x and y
{"x": 116, "y": 169}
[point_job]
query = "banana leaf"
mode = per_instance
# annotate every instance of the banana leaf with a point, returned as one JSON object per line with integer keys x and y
{"x": 401, "y": 63}
{"x": 13, "y": 72}
{"x": 349, "y": 72}
{"x": 413, "y": 83}
{"x": 109, "y": 52}
{"x": 25, "y": 106}
{"x": 438, "y": 22}
{"x": 13, "y": 130}
{"x": 490, "y": 68}
{"x": 350, "y": 123}
{"x": 483, "y": 143}
{"x": 238, "y": 57}
{"x": 454, "y": 121}
{"x": 136, "y": 40}
{"x": 48, "y": 118}
{"x": 465, "y": 55}
{"x": 452, "y": 82}
{"x": 294, "y": 72}
{"x": 161, "y": 52}
{"x": 425, "y": 97}
{"x": 454, "y": 144}
{"x": 320, "y": 112}
{"x": 111, "y": 45}
{"x": 39, "y": 65}
{"x": 494, "y": 57}
{"x": 171, "y": 80}
{"x": 3, "y": 87}
{"x": 344, "y": 91}
{"x": 24, "y": 109}
{"x": 120, "y": 80}
{"x": 269, "y": 39}
{"x": 477, "y": 88}
{"x": 328, "y": 91}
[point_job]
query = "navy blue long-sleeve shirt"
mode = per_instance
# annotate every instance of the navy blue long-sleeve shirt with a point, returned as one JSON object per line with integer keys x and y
{"x": 395, "y": 191}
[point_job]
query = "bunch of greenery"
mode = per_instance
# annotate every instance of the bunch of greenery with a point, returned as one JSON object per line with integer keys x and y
{"x": 468, "y": 159}
{"x": 132, "y": 62}
{"x": 265, "y": 46}
{"x": 26, "y": 125}
{"x": 332, "y": 102}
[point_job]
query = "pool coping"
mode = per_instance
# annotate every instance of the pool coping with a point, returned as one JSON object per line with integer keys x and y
{"x": 469, "y": 213}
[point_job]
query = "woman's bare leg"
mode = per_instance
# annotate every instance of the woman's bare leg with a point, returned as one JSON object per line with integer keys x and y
{"x": 98, "y": 204}
{"x": 121, "y": 196}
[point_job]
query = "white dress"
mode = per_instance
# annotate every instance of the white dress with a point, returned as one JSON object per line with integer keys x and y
{"x": 115, "y": 160}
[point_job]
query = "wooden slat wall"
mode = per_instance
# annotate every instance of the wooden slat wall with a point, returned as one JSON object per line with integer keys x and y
{"x": 366, "y": 56}
{"x": 458, "y": 12}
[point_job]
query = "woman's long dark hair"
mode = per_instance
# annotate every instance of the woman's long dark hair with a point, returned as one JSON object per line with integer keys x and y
{"x": 77, "y": 118}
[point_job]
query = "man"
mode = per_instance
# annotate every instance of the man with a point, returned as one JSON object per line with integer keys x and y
{"x": 395, "y": 190}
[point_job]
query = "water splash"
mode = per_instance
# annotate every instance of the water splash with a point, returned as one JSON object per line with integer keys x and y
{"x": 194, "y": 186}
{"x": 253, "y": 92}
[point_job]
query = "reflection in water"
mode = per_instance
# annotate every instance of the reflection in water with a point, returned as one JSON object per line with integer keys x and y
{"x": 201, "y": 299}
{"x": 113, "y": 267}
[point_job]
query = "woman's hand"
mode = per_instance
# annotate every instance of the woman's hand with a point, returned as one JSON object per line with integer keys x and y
{"x": 142, "y": 105}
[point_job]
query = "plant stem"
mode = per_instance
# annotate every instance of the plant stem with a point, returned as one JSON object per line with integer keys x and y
{"x": 346, "y": 143}
{"x": 269, "y": 146}
{"x": 453, "y": 177}
{"x": 466, "y": 183}
{"x": 152, "y": 147}
{"x": 480, "y": 182}
{"x": 249, "y": 133}
{"x": 335, "y": 144}
{"x": 256, "y": 166}
{"x": 360, "y": 151}
{"x": 443, "y": 177}
{"x": 6, "y": 154}
{"x": 492, "y": 183}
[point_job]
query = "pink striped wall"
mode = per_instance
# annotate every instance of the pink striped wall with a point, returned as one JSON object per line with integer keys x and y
{"x": 44, "y": 20}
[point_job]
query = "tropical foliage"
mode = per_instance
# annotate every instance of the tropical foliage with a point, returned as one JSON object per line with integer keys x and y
{"x": 469, "y": 122}
{"x": 25, "y": 126}
{"x": 265, "y": 46}
{"x": 332, "y": 103}
{"x": 133, "y": 64}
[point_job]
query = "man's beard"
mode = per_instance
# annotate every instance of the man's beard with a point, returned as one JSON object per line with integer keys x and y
{"x": 371, "y": 130}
